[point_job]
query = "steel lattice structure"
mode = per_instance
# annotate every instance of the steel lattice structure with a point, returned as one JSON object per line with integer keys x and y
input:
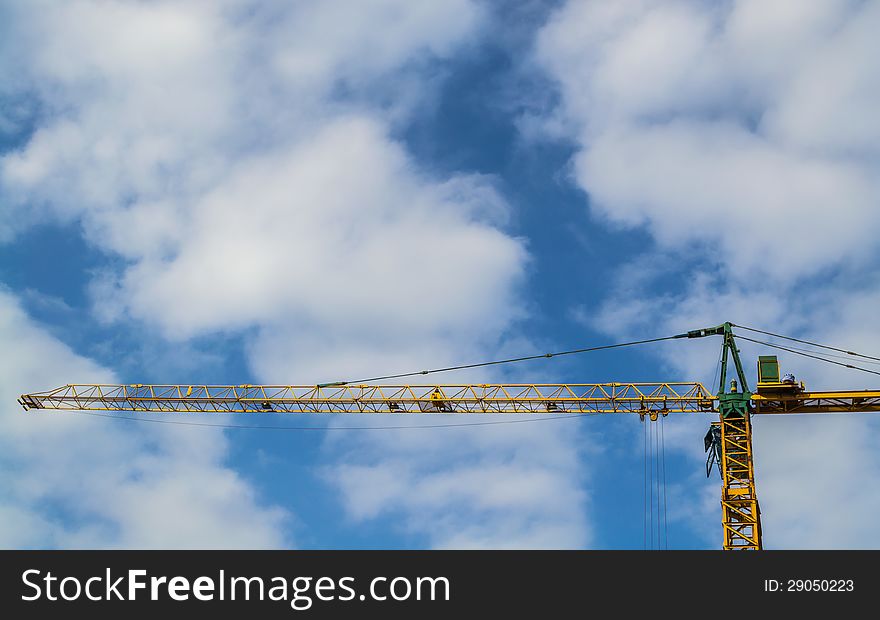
{"x": 644, "y": 398}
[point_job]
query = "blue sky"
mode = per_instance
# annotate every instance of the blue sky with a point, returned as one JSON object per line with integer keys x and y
{"x": 295, "y": 192}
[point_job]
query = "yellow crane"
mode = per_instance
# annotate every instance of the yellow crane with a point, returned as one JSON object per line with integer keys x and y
{"x": 728, "y": 442}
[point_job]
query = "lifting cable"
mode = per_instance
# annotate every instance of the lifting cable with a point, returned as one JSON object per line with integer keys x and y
{"x": 663, "y": 483}
{"x": 655, "y": 528}
{"x": 649, "y": 483}
{"x": 655, "y": 534}
{"x": 657, "y": 484}
{"x": 650, "y": 479}
{"x": 645, "y": 485}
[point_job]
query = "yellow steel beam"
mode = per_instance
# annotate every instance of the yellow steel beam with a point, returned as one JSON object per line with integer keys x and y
{"x": 818, "y": 402}
{"x": 642, "y": 398}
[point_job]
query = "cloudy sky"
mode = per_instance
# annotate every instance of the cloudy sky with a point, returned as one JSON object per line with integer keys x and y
{"x": 298, "y": 192}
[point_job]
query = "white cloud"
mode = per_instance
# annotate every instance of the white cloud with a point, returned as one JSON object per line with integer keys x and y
{"x": 742, "y": 137}
{"x": 817, "y": 481}
{"x": 683, "y": 127}
{"x": 706, "y": 179}
{"x": 509, "y": 486}
{"x": 340, "y": 223}
{"x": 240, "y": 197}
{"x": 76, "y": 481}
{"x": 240, "y": 159}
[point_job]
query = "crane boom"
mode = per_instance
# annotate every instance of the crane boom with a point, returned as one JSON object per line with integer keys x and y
{"x": 644, "y": 398}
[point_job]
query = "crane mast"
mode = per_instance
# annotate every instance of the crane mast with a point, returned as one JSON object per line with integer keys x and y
{"x": 732, "y": 443}
{"x": 728, "y": 442}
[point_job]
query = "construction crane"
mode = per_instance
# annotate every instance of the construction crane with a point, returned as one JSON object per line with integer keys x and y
{"x": 728, "y": 441}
